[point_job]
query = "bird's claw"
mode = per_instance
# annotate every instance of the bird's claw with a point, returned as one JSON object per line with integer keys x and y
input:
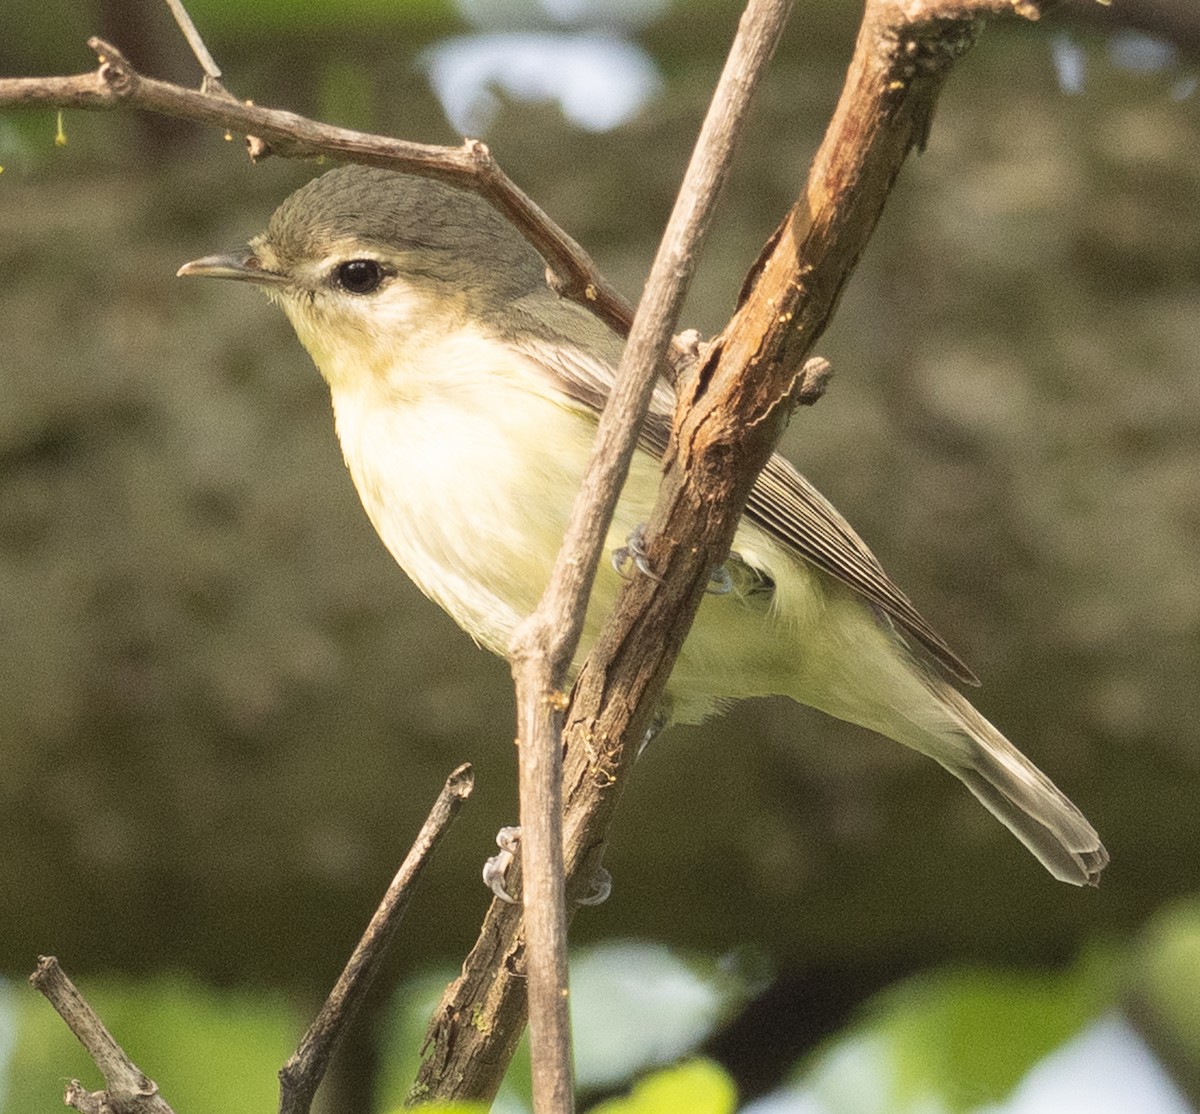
{"x": 495, "y": 872}
{"x": 653, "y": 731}
{"x": 634, "y": 552}
{"x": 601, "y": 888}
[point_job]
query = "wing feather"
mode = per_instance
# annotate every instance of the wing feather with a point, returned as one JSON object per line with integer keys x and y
{"x": 783, "y": 502}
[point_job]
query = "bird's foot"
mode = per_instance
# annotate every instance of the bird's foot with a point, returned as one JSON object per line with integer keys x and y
{"x": 601, "y": 888}
{"x": 653, "y": 731}
{"x": 720, "y": 583}
{"x": 633, "y": 552}
{"x": 495, "y": 872}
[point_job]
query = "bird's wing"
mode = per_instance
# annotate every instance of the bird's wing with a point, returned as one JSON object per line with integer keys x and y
{"x": 782, "y": 502}
{"x": 786, "y": 505}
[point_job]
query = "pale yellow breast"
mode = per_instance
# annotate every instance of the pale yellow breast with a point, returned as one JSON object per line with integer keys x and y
{"x": 467, "y": 467}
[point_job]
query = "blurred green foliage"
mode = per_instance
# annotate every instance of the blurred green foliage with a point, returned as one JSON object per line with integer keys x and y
{"x": 1171, "y": 977}
{"x": 697, "y": 1086}
{"x": 952, "y": 1040}
{"x": 206, "y": 1049}
{"x": 956, "y": 1039}
{"x": 1165, "y": 986}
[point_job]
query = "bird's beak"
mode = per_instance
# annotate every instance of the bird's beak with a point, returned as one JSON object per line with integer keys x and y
{"x": 243, "y": 265}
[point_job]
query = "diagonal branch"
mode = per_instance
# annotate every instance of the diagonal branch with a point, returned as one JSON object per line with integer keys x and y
{"x": 300, "y": 1077}
{"x": 545, "y": 644}
{"x": 127, "y": 1089}
{"x": 211, "y": 83}
{"x": 116, "y": 84}
{"x": 732, "y": 409}
{"x": 187, "y": 28}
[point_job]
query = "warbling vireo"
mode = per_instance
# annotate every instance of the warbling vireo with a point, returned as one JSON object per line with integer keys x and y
{"x": 465, "y": 393}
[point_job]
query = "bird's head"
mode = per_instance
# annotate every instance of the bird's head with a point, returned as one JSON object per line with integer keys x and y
{"x": 364, "y": 260}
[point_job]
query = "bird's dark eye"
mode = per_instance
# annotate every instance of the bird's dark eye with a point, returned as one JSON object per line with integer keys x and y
{"x": 358, "y": 276}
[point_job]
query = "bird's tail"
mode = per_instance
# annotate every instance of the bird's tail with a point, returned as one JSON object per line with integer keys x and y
{"x": 1019, "y": 795}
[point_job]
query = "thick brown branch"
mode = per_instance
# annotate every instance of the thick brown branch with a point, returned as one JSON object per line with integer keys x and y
{"x": 545, "y": 645}
{"x": 732, "y": 410}
{"x": 128, "y": 1090}
{"x": 302, "y": 1074}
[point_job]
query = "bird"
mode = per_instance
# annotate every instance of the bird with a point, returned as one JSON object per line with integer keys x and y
{"x": 466, "y": 393}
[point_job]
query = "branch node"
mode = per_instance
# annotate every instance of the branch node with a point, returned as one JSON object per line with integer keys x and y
{"x": 120, "y": 81}
{"x": 106, "y": 52}
{"x": 118, "y": 76}
{"x": 256, "y": 147}
{"x": 461, "y": 781}
{"x": 480, "y": 155}
{"x": 562, "y": 285}
{"x": 86, "y": 1102}
{"x": 812, "y": 382}
{"x": 129, "y": 1089}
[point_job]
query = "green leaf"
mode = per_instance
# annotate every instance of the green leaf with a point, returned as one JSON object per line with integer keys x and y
{"x": 1168, "y": 976}
{"x": 696, "y": 1087}
{"x": 956, "y": 1040}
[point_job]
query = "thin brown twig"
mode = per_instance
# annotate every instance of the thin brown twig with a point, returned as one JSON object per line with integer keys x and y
{"x": 471, "y": 166}
{"x": 188, "y": 29}
{"x": 544, "y": 645}
{"x": 300, "y": 1077}
{"x": 130, "y": 1091}
{"x": 256, "y": 147}
{"x": 127, "y": 1089}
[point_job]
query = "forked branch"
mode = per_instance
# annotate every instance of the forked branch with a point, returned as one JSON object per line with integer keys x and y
{"x": 116, "y": 84}
{"x": 733, "y": 406}
{"x": 545, "y": 644}
{"x": 129, "y": 1091}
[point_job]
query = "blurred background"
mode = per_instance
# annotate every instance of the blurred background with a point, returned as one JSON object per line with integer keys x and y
{"x": 225, "y": 711}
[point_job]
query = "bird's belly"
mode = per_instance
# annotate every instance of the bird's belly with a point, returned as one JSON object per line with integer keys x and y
{"x": 473, "y": 501}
